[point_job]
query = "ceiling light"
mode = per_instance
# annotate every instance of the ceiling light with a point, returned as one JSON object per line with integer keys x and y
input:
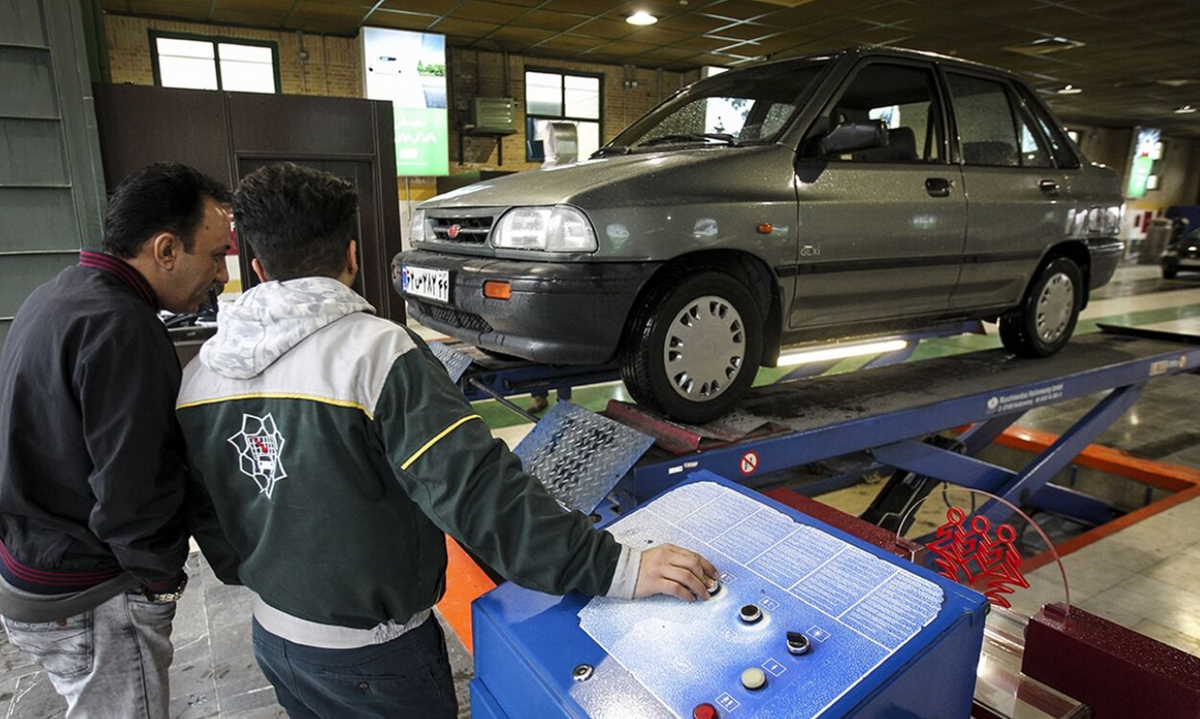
{"x": 1045, "y": 46}
{"x": 1184, "y": 110}
{"x": 641, "y": 17}
{"x": 1070, "y": 90}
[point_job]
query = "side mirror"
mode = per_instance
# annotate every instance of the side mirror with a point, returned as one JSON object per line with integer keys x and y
{"x": 853, "y": 137}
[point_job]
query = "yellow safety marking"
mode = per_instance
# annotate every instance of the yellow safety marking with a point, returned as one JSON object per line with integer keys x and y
{"x": 435, "y": 440}
{"x": 270, "y": 395}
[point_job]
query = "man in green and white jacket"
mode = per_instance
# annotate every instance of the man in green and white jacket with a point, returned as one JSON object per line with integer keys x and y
{"x": 337, "y": 452}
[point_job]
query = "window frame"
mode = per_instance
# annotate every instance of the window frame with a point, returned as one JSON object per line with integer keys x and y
{"x": 940, "y": 97}
{"x": 1013, "y": 109}
{"x": 599, "y": 119}
{"x": 1019, "y": 99}
{"x": 1043, "y": 121}
{"x": 216, "y": 42}
{"x": 1022, "y": 116}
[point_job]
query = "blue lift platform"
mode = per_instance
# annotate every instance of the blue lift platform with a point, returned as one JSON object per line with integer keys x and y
{"x": 926, "y": 421}
{"x": 891, "y": 417}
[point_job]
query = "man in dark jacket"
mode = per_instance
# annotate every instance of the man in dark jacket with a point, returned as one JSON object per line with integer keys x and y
{"x": 92, "y": 477}
{"x": 337, "y": 452}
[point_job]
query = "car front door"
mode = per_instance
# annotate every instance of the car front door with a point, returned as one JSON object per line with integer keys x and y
{"x": 881, "y": 230}
{"x": 1015, "y": 194}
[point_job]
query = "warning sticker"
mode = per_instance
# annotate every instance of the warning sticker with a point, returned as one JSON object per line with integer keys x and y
{"x": 749, "y": 463}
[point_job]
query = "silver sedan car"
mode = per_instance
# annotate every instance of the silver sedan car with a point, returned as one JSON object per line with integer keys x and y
{"x": 797, "y": 202}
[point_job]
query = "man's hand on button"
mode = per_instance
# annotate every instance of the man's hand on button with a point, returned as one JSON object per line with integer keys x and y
{"x": 668, "y": 569}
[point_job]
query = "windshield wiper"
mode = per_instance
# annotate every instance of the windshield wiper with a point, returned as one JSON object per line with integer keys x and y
{"x": 611, "y": 150}
{"x": 696, "y": 137}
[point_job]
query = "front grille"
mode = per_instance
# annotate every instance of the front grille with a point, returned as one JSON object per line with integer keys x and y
{"x": 455, "y": 318}
{"x": 470, "y": 230}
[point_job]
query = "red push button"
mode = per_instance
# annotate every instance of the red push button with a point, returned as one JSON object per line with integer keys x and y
{"x": 705, "y": 711}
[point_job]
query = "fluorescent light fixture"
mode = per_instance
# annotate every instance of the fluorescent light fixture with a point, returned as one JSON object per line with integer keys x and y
{"x": 641, "y": 17}
{"x": 842, "y": 352}
{"x": 1070, "y": 90}
{"x": 1184, "y": 110}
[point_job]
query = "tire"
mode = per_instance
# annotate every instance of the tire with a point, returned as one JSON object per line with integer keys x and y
{"x": 1043, "y": 323}
{"x": 1169, "y": 274}
{"x": 723, "y": 316}
{"x": 499, "y": 355}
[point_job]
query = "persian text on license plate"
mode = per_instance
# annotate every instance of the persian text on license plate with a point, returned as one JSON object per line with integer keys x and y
{"x": 420, "y": 282}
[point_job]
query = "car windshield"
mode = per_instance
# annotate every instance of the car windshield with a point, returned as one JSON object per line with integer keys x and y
{"x": 735, "y": 108}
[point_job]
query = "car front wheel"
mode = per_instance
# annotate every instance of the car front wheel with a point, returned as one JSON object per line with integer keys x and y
{"x": 1043, "y": 323}
{"x": 693, "y": 348}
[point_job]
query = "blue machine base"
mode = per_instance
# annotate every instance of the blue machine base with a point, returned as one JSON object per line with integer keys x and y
{"x": 528, "y": 644}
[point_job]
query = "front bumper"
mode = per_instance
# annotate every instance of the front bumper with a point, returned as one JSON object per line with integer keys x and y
{"x": 1181, "y": 260}
{"x": 1106, "y": 255}
{"x": 559, "y": 313}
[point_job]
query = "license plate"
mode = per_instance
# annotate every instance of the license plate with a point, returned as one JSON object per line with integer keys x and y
{"x": 421, "y": 282}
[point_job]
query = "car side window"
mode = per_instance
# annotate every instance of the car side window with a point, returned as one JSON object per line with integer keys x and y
{"x": 1059, "y": 145}
{"x": 985, "y": 122}
{"x": 904, "y": 97}
{"x": 1033, "y": 146}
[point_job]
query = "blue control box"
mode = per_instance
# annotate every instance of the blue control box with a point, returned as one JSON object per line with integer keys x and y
{"x": 808, "y": 622}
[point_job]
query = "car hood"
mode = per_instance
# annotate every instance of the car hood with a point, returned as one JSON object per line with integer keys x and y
{"x": 584, "y": 183}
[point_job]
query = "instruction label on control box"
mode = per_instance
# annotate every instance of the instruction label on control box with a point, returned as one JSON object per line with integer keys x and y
{"x": 856, "y": 608}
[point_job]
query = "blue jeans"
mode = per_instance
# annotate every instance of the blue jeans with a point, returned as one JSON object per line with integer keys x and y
{"x": 110, "y": 661}
{"x": 407, "y": 677}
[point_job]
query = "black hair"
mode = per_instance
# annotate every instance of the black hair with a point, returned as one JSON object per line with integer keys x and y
{"x": 297, "y": 220}
{"x": 163, "y": 197}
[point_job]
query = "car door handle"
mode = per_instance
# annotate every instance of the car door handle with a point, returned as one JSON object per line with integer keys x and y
{"x": 938, "y": 186}
{"x": 1049, "y": 187}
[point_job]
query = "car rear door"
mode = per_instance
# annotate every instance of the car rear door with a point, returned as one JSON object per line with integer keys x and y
{"x": 1015, "y": 194}
{"x": 881, "y": 230}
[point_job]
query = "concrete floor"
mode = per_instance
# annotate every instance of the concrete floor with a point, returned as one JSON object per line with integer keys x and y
{"x": 1145, "y": 577}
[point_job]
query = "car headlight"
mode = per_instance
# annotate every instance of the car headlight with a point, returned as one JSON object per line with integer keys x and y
{"x": 416, "y": 226}
{"x": 550, "y": 229}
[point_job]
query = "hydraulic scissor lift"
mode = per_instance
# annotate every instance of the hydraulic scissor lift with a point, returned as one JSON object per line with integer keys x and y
{"x": 927, "y": 422}
{"x": 891, "y": 417}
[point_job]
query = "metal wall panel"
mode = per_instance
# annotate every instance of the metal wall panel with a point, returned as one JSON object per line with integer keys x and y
{"x": 33, "y": 153}
{"x": 23, "y": 274}
{"x": 38, "y": 219}
{"x": 29, "y": 72}
{"x": 51, "y": 190}
{"x": 22, "y": 24}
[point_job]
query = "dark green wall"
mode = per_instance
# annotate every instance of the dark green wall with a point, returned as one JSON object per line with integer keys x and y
{"x": 51, "y": 178}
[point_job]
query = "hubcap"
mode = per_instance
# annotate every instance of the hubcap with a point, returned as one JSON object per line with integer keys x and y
{"x": 1054, "y": 308}
{"x": 705, "y": 348}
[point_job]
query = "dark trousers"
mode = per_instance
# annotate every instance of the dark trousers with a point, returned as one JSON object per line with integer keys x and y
{"x": 408, "y": 677}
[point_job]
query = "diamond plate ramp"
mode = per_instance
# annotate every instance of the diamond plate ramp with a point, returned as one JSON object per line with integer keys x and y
{"x": 580, "y": 456}
{"x": 455, "y": 362}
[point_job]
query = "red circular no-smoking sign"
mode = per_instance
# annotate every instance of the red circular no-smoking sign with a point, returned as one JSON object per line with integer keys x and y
{"x": 749, "y": 462}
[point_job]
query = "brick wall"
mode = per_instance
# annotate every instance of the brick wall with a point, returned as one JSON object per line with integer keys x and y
{"x": 628, "y": 94}
{"x": 333, "y": 68}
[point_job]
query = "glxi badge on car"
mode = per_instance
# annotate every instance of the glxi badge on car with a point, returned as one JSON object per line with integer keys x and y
{"x": 431, "y": 284}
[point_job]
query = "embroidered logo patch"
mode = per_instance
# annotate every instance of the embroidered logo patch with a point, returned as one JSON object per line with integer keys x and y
{"x": 259, "y": 445}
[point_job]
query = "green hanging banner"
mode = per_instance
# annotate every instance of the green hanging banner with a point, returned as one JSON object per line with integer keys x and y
{"x": 409, "y": 69}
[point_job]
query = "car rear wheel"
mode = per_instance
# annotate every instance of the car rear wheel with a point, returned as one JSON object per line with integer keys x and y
{"x": 693, "y": 348}
{"x": 1043, "y": 323}
{"x": 1169, "y": 274}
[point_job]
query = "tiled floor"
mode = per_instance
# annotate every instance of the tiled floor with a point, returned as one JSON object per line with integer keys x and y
{"x": 1146, "y": 577}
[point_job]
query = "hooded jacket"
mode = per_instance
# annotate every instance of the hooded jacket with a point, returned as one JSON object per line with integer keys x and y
{"x": 337, "y": 451}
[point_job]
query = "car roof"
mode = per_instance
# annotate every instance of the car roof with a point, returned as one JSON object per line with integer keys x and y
{"x": 885, "y": 51}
